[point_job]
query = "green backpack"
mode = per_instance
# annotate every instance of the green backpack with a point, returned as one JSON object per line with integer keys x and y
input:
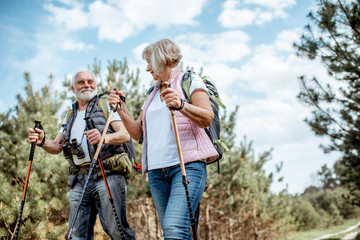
{"x": 214, "y": 130}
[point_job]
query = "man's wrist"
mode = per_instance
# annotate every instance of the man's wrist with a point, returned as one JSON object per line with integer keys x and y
{"x": 42, "y": 142}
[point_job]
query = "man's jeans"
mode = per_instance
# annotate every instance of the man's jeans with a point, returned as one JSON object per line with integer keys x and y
{"x": 169, "y": 197}
{"x": 96, "y": 200}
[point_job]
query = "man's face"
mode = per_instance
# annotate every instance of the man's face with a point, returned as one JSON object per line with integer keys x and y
{"x": 85, "y": 86}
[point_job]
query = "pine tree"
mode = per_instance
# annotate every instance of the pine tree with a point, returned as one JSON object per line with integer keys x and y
{"x": 46, "y": 200}
{"x": 333, "y": 37}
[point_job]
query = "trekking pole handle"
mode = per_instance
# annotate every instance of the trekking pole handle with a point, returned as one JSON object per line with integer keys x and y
{"x": 165, "y": 84}
{"x": 114, "y": 106}
{"x": 90, "y": 125}
{"x": 32, "y": 150}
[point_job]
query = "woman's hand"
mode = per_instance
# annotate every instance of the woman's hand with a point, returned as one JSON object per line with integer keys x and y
{"x": 114, "y": 98}
{"x": 199, "y": 111}
{"x": 171, "y": 97}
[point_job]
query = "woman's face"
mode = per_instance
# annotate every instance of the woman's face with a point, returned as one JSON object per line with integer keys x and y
{"x": 163, "y": 76}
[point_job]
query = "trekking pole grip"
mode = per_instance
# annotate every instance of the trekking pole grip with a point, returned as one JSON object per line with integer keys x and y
{"x": 32, "y": 150}
{"x": 115, "y": 106}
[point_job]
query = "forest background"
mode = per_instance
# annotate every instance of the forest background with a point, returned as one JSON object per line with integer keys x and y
{"x": 239, "y": 203}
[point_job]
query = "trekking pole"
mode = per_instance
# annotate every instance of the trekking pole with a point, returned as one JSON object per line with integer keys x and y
{"x": 92, "y": 165}
{"x": 182, "y": 166}
{"x": 91, "y": 126}
{"x": 31, "y": 156}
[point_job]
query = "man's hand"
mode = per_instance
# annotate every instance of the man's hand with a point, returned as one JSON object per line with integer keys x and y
{"x": 93, "y": 136}
{"x": 35, "y": 136}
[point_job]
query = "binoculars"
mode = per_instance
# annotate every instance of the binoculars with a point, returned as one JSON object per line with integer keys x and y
{"x": 73, "y": 148}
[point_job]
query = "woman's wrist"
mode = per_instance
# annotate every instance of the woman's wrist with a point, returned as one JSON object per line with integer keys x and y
{"x": 179, "y": 108}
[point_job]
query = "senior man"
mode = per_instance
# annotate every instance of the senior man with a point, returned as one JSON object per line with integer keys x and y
{"x": 77, "y": 142}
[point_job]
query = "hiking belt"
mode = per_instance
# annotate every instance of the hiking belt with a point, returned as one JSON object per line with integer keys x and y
{"x": 82, "y": 169}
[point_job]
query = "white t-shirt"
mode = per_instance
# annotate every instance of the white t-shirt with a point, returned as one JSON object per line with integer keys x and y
{"x": 161, "y": 145}
{"x": 77, "y": 131}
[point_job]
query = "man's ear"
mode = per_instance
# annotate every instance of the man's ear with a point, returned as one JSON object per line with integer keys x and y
{"x": 73, "y": 89}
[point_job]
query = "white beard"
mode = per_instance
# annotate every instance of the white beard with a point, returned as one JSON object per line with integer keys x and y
{"x": 86, "y": 96}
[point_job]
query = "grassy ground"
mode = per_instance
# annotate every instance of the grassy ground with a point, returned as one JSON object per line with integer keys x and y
{"x": 315, "y": 233}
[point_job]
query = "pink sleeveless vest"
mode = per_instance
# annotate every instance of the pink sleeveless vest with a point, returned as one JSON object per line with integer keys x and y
{"x": 195, "y": 143}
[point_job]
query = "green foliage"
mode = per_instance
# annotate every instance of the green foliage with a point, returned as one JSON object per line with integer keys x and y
{"x": 242, "y": 193}
{"x": 328, "y": 178}
{"x": 322, "y": 208}
{"x": 46, "y": 199}
{"x": 333, "y": 37}
{"x": 306, "y": 216}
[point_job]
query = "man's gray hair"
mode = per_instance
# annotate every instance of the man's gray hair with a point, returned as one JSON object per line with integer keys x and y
{"x": 81, "y": 71}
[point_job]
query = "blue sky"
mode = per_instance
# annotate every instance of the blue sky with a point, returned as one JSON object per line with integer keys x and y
{"x": 244, "y": 45}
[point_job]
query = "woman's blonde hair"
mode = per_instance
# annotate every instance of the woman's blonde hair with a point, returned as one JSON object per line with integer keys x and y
{"x": 162, "y": 53}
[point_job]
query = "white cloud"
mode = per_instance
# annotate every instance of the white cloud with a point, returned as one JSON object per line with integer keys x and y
{"x": 237, "y": 18}
{"x": 272, "y": 4}
{"x": 110, "y": 21}
{"x": 70, "y": 45}
{"x": 73, "y": 19}
{"x": 161, "y": 13}
{"x": 238, "y": 13}
{"x": 210, "y": 48}
{"x": 50, "y": 47}
{"x": 300, "y": 162}
{"x": 117, "y": 20}
{"x": 137, "y": 51}
{"x": 276, "y": 118}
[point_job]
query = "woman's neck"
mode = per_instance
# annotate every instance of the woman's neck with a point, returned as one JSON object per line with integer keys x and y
{"x": 166, "y": 75}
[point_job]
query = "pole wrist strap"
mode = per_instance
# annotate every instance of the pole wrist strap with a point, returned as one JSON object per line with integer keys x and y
{"x": 179, "y": 108}
{"x": 42, "y": 142}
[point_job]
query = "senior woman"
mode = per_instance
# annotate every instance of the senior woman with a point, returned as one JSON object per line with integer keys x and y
{"x": 160, "y": 156}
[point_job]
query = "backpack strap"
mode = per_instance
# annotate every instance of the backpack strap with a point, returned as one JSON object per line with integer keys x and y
{"x": 68, "y": 115}
{"x": 103, "y": 104}
{"x": 149, "y": 91}
{"x": 221, "y": 144}
{"x": 186, "y": 83}
{"x": 210, "y": 84}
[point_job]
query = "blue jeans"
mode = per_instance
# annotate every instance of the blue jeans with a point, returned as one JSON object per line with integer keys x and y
{"x": 169, "y": 197}
{"x": 96, "y": 201}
